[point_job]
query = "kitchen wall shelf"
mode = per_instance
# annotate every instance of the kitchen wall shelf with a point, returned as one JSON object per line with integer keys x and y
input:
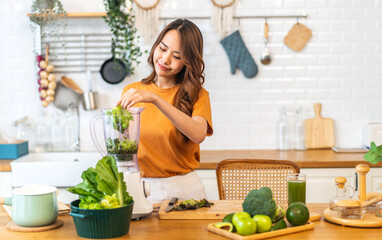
{"x": 103, "y": 14}
{"x": 77, "y": 15}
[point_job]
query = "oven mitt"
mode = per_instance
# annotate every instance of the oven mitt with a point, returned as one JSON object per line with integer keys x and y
{"x": 239, "y": 56}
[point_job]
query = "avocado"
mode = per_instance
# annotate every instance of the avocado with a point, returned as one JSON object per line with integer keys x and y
{"x": 224, "y": 225}
{"x": 279, "y": 225}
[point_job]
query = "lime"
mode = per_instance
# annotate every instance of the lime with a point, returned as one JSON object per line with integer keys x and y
{"x": 279, "y": 225}
{"x": 238, "y": 216}
{"x": 263, "y": 222}
{"x": 224, "y": 225}
{"x": 246, "y": 226}
{"x": 297, "y": 214}
{"x": 228, "y": 217}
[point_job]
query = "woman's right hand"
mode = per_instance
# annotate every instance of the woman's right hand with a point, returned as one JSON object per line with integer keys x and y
{"x": 134, "y": 96}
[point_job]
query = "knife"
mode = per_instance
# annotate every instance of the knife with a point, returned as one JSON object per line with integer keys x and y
{"x": 171, "y": 204}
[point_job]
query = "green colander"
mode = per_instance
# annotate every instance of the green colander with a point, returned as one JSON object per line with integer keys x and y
{"x": 101, "y": 223}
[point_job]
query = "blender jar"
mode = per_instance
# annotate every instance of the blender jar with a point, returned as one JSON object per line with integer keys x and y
{"x": 121, "y": 133}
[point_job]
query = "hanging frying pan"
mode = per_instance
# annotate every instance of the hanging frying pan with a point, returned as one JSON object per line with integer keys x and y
{"x": 114, "y": 70}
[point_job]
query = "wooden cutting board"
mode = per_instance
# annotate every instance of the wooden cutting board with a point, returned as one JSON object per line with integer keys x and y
{"x": 236, "y": 236}
{"x": 298, "y": 37}
{"x": 318, "y": 131}
{"x": 216, "y": 211}
{"x": 370, "y": 220}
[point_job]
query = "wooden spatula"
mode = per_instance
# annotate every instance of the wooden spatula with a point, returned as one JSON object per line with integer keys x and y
{"x": 318, "y": 131}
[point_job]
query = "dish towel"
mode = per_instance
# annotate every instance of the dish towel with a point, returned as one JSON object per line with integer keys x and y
{"x": 239, "y": 56}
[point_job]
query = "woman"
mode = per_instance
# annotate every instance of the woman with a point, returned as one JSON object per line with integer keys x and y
{"x": 177, "y": 115}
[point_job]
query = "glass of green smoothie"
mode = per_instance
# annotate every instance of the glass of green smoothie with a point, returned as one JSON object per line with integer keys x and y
{"x": 296, "y": 187}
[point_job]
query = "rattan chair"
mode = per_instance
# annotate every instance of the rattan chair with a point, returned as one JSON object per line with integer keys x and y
{"x": 236, "y": 177}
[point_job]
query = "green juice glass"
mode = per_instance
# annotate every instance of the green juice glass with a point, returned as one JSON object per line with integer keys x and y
{"x": 296, "y": 187}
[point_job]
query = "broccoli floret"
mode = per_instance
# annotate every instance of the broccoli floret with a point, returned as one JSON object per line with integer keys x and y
{"x": 279, "y": 213}
{"x": 260, "y": 201}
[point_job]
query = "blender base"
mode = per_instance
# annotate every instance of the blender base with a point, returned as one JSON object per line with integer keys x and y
{"x": 135, "y": 187}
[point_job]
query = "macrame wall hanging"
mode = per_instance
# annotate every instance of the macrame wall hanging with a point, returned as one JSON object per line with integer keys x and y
{"x": 222, "y": 16}
{"x": 147, "y": 18}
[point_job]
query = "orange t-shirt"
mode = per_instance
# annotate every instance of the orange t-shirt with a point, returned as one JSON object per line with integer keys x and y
{"x": 162, "y": 151}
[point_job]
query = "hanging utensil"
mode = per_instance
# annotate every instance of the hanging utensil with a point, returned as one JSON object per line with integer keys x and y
{"x": 89, "y": 98}
{"x": 114, "y": 70}
{"x": 266, "y": 56}
{"x": 298, "y": 37}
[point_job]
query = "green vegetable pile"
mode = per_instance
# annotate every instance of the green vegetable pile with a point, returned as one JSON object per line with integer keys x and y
{"x": 124, "y": 146}
{"x": 374, "y": 155}
{"x": 261, "y": 202}
{"x": 102, "y": 187}
{"x": 120, "y": 118}
{"x": 193, "y": 204}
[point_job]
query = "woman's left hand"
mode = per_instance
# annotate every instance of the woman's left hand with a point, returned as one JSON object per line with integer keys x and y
{"x": 134, "y": 96}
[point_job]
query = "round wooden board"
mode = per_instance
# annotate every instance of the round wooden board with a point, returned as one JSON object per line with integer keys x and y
{"x": 369, "y": 221}
{"x": 14, "y": 227}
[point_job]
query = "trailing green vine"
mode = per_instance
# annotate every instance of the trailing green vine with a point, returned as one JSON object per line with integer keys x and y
{"x": 125, "y": 40}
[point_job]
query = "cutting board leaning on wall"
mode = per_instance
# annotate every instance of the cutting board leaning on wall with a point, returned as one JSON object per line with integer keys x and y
{"x": 318, "y": 131}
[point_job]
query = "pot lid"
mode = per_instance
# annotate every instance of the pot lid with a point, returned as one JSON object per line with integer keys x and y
{"x": 34, "y": 189}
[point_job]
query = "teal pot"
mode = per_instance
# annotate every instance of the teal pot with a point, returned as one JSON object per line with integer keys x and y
{"x": 101, "y": 223}
{"x": 33, "y": 205}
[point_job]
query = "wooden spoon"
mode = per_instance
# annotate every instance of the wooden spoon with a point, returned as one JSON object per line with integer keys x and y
{"x": 68, "y": 82}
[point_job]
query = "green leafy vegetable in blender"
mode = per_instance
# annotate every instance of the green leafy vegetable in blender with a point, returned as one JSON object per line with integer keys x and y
{"x": 374, "y": 155}
{"x": 121, "y": 118}
{"x": 124, "y": 146}
{"x": 102, "y": 187}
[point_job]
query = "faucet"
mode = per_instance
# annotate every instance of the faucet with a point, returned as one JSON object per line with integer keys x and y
{"x": 75, "y": 146}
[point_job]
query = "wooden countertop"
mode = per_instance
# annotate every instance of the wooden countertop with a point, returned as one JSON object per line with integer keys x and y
{"x": 5, "y": 165}
{"x": 153, "y": 228}
{"x": 305, "y": 159}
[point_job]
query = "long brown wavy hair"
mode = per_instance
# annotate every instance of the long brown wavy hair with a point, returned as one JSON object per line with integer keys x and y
{"x": 191, "y": 78}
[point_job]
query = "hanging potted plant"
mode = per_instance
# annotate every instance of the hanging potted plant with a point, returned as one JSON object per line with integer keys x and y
{"x": 46, "y": 15}
{"x": 46, "y": 24}
{"x": 125, "y": 47}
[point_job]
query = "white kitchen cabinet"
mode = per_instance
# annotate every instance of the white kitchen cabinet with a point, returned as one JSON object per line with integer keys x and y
{"x": 320, "y": 182}
{"x": 5, "y": 184}
{"x": 208, "y": 178}
{"x": 374, "y": 180}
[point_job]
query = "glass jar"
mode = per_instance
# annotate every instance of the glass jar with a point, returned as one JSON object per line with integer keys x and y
{"x": 282, "y": 131}
{"x": 343, "y": 192}
{"x": 299, "y": 130}
{"x": 378, "y": 209}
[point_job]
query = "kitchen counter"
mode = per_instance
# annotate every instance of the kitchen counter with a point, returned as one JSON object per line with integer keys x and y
{"x": 153, "y": 228}
{"x": 305, "y": 159}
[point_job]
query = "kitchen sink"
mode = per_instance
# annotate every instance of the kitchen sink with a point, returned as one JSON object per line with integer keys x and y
{"x": 60, "y": 169}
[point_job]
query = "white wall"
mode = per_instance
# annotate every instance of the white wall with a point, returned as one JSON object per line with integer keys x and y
{"x": 340, "y": 67}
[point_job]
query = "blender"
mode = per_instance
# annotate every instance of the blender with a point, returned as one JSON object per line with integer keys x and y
{"x": 121, "y": 133}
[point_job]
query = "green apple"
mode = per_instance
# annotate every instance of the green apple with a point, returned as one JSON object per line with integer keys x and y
{"x": 263, "y": 222}
{"x": 246, "y": 226}
{"x": 238, "y": 216}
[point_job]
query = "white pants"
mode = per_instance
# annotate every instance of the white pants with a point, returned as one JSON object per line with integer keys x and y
{"x": 183, "y": 187}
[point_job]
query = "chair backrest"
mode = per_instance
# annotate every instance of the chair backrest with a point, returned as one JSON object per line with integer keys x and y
{"x": 236, "y": 177}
